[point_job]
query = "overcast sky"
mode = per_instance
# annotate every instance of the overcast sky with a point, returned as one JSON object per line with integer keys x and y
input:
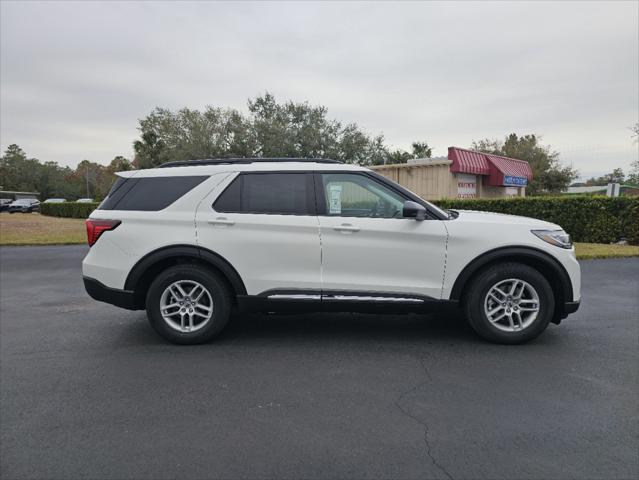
{"x": 76, "y": 77}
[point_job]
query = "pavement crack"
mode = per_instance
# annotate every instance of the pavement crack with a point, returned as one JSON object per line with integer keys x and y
{"x": 398, "y": 404}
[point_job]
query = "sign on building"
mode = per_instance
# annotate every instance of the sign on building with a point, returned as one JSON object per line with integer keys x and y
{"x": 466, "y": 185}
{"x": 512, "y": 181}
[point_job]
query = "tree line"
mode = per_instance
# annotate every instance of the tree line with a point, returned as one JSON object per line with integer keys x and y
{"x": 269, "y": 129}
{"x": 20, "y": 173}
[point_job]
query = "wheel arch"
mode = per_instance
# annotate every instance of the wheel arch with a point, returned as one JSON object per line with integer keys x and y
{"x": 548, "y": 266}
{"x": 145, "y": 270}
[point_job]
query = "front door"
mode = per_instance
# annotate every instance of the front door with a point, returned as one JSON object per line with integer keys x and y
{"x": 368, "y": 249}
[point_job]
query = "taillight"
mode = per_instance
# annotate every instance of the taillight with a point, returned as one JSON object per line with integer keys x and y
{"x": 96, "y": 227}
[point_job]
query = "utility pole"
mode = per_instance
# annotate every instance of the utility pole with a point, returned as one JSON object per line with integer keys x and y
{"x": 88, "y": 181}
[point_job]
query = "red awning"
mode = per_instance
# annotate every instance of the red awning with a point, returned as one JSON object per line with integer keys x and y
{"x": 501, "y": 171}
{"x": 508, "y": 171}
{"x": 468, "y": 161}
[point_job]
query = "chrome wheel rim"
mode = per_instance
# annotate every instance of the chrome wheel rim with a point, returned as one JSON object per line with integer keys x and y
{"x": 511, "y": 305}
{"x": 186, "y": 306}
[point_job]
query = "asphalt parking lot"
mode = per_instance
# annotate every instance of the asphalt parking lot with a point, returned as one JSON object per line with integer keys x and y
{"x": 90, "y": 391}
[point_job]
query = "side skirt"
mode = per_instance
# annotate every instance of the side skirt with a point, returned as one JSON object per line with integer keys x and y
{"x": 300, "y": 301}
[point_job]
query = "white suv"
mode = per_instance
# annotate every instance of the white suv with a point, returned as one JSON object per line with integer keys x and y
{"x": 192, "y": 241}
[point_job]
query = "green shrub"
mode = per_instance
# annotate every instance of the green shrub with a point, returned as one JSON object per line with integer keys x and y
{"x": 592, "y": 219}
{"x": 68, "y": 209}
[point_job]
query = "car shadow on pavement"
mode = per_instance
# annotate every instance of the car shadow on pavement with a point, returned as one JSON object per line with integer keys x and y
{"x": 317, "y": 329}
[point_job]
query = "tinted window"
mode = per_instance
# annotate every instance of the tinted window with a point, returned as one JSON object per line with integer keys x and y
{"x": 150, "y": 193}
{"x": 274, "y": 193}
{"x": 117, "y": 184}
{"x": 352, "y": 195}
{"x": 229, "y": 200}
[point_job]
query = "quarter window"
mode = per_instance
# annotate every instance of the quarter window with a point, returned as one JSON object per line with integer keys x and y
{"x": 148, "y": 193}
{"x": 353, "y": 195}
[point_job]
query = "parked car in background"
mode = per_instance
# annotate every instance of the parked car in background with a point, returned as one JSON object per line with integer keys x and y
{"x": 193, "y": 240}
{"x": 55, "y": 200}
{"x": 85, "y": 200}
{"x": 24, "y": 205}
{"x": 4, "y": 204}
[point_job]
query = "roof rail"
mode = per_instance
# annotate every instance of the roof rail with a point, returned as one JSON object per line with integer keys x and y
{"x": 230, "y": 161}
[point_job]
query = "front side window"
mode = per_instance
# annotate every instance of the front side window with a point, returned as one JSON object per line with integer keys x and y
{"x": 268, "y": 193}
{"x": 353, "y": 195}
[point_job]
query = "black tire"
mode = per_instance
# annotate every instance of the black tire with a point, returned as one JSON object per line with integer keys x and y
{"x": 482, "y": 284}
{"x": 216, "y": 287}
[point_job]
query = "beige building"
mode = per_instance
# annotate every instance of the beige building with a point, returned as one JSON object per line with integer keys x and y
{"x": 463, "y": 174}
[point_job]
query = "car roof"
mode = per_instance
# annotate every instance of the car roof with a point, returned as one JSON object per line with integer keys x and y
{"x": 244, "y": 160}
{"x": 263, "y": 165}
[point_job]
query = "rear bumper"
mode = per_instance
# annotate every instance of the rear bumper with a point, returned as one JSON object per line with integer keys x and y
{"x": 114, "y": 296}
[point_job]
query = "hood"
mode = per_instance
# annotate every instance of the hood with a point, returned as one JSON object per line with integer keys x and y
{"x": 503, "y": 219}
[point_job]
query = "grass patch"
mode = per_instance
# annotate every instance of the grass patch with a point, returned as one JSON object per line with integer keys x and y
{"x": 36, "y": 229}
{"x": 601, "y": 250}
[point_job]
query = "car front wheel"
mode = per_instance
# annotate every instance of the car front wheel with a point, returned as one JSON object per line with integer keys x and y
{"x": 510, "y": 303}
{"x": 188, "y": 304}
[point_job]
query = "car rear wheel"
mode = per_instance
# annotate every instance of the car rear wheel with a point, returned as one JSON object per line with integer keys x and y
{"x": 510, "y": 303}
{"x": 188, "y": 304}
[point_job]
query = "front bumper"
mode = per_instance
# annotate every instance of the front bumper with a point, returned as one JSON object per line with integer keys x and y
{"x": 100, "y": 292}
{"x": 570, "y": 307}
{"x": 563, "y": 310}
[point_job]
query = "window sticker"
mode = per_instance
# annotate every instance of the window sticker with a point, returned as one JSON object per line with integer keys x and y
{"x": 335, "y": 199}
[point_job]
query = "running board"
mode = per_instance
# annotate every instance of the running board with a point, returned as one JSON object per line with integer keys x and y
{"x": 339, "y": 301}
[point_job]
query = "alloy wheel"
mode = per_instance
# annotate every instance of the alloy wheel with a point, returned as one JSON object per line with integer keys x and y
{"x": 186, "y": 306}
{"x": 511, "y": 305}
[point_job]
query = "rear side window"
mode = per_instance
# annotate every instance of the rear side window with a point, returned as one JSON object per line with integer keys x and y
{"x": 269, "y": 193}
{"x": 149, "y": 193}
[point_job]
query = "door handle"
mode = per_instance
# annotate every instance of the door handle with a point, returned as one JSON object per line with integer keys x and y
{"x": 346, "y": 228}
{"x": 222, "y": 221}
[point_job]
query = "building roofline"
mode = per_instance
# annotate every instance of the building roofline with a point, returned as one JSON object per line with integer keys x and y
{"x": 436, "y": 163}
{"x": 490, "y": 154}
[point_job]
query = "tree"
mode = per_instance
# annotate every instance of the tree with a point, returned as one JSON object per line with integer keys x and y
{"x": 17, "y": 172}
{"x": 270, "y": 129}
{"x": 421, "y": 150}
{"x": 119, "y": 164}
{"x": 20, "y": 173}
{"x": 398, "y": 156}
{"x": 616, "y": 176}
{"x": 633, "y": 176}
{"x": 548, "y": 173}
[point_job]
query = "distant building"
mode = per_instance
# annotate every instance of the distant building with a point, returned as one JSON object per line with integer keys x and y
{"x": 463, "y": 174}
{"x": 18, "y": 195}
{"x": 603, "y": 190}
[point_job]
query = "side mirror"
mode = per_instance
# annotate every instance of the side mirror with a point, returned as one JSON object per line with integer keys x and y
{"x": 414, "y": 210}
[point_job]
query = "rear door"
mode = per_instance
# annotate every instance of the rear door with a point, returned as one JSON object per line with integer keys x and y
{"x": 368, "y": 249}
{"x": 265, "y": 225}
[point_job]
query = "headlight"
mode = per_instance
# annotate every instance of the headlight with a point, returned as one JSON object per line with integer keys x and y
{"x": 559, "y": 238}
